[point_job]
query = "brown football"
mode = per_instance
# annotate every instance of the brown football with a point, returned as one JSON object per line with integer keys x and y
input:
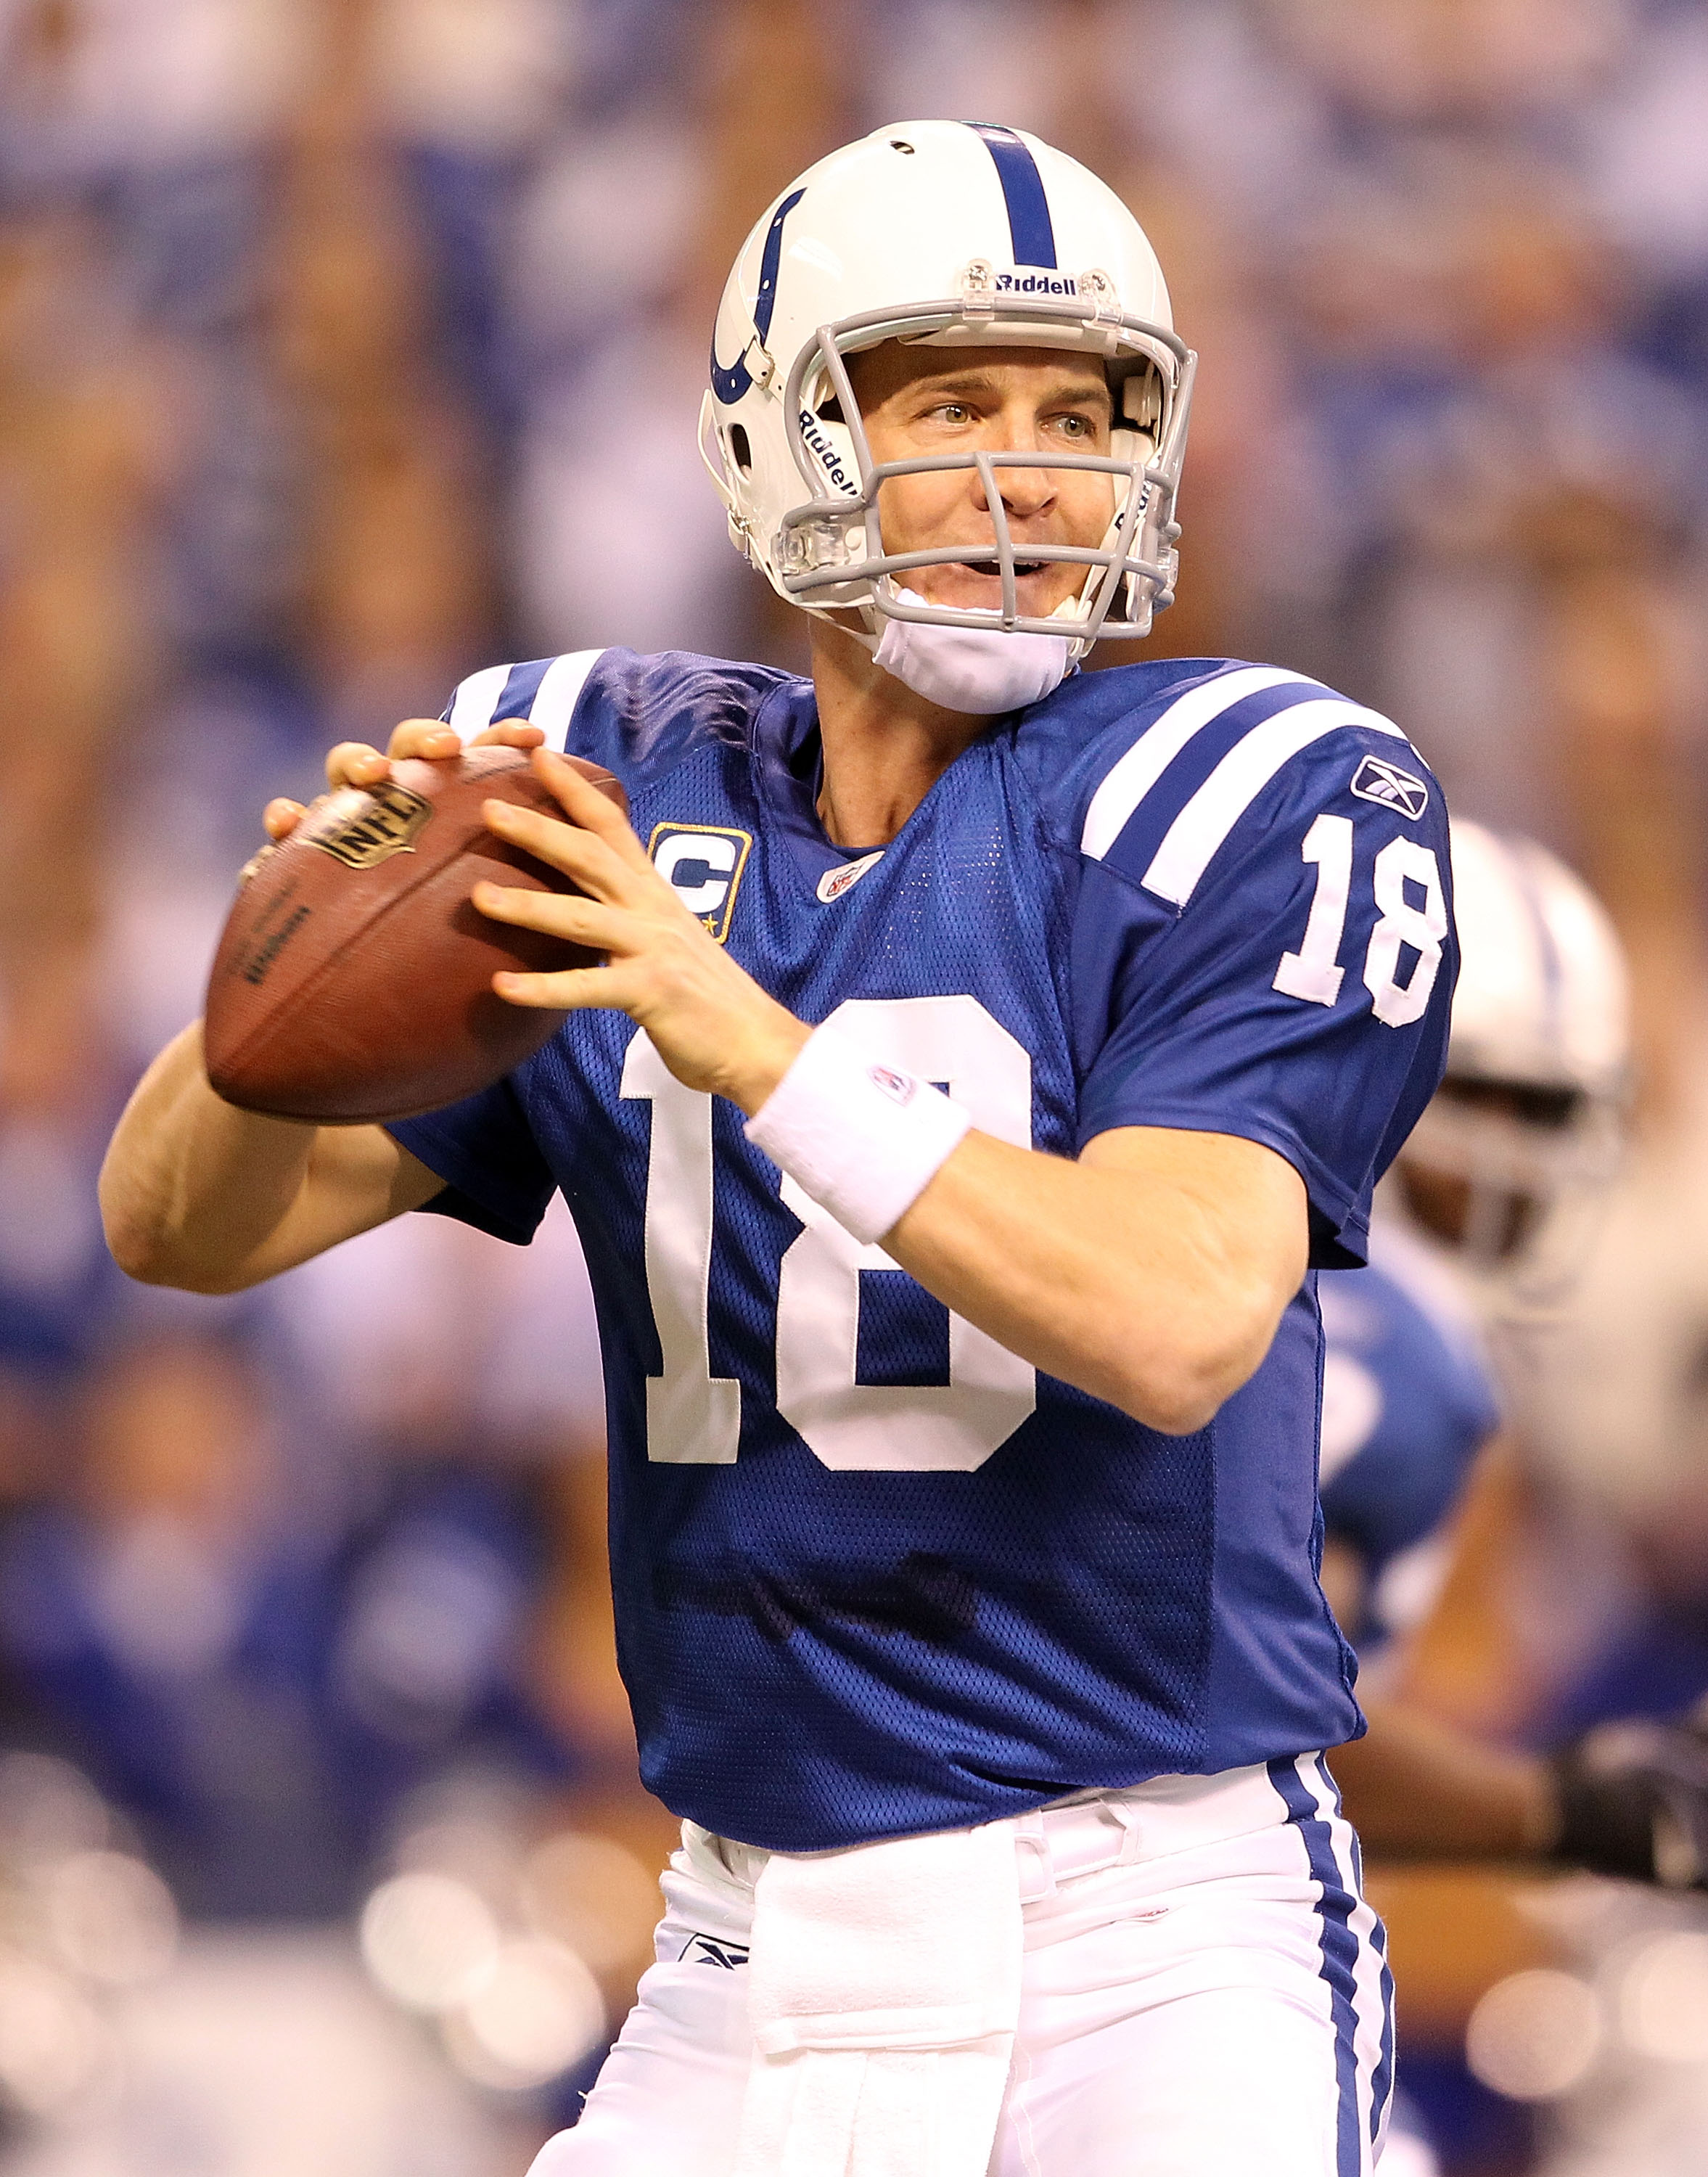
{"x": 353, "y": 981}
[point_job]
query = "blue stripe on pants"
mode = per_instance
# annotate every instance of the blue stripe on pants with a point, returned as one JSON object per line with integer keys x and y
{"x": 1339, "y": 1947}
{"x": 1381, "y": 2079}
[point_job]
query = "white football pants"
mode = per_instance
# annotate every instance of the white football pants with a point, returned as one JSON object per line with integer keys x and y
{"x": 1204, "y": 1995}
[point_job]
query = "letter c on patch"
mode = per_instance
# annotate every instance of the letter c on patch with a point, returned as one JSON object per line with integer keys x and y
{"x": 711, "y": 851}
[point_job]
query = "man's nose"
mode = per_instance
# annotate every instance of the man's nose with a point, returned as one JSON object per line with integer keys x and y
{"x": 1024, "y": 492}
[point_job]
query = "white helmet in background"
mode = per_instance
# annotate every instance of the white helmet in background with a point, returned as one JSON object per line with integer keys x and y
{"x": 1541, "y": 995}
{"x": 1529, "y": 1117}
{"x": 950, "y": 233}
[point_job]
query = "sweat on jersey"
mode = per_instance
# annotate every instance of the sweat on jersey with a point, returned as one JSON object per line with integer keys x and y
{"x": 874, "y": 1575}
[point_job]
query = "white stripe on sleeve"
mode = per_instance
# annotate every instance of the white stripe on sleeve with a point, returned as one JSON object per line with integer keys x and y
{"x": 1131, "y": 779}
{"x": 558, "y": 692}
{"x": 1236, "y": 781}
{"x": 476, "y": 700}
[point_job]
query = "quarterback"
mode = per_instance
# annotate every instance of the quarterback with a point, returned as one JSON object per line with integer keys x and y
{"x": 986, "y": 1056}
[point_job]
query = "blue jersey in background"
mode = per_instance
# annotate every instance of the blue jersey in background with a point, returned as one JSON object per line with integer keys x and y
{"x": 1408, "y": 1402}
{"x": 874, "y": 1573}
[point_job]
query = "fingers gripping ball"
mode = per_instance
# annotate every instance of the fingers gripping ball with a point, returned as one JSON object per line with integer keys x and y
{"x": 353, "y": 981}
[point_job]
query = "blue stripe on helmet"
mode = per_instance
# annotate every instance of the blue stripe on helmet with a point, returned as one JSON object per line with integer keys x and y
{"x": 731, "y": 385}
{"x": 1029, "y": 229}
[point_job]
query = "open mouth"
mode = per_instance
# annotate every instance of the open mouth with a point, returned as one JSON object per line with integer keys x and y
{"x": 1022, "y": 568}
{"x": 976, "y": 585}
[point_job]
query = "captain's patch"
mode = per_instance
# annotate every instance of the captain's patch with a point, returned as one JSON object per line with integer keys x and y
{"x": 702, "y": 864}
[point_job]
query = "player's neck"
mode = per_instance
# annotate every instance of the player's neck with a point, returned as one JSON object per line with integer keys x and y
{"x": 885, "y": 747}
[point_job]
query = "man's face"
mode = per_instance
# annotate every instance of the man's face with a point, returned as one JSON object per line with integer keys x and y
{"x": 1441, "y": 1199}
{"x": 921, "y": 401}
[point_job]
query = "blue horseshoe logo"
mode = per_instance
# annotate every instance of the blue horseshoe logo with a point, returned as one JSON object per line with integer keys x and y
{"x": 731, "y": 385}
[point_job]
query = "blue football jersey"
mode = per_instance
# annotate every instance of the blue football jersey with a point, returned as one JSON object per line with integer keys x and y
{"x": 1408, "y": 1402}
{"x": 874, "y": 1573}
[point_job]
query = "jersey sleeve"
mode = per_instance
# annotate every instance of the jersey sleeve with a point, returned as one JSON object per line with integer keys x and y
{"x": 542, "y": 692}
{"x": 484, "y": 1150}
{"x": 639, "y": 717}
{"x": 494, "y": 1175}
{"x": 1265, "y": 949}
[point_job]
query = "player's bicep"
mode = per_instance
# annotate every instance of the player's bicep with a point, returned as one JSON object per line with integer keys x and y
{"x": 1246, "y": 1204}
{"x": 358, "y": 1177}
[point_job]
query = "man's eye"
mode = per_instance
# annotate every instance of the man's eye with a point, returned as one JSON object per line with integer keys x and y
{"x": 1076, "y": 427}
{"x": 951, "y": 412}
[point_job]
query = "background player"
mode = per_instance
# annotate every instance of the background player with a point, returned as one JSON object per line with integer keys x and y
{"x": 1480, "y": 1230}
{"x": 1489, "y": 1208}
{"x": 1178, "y": 940}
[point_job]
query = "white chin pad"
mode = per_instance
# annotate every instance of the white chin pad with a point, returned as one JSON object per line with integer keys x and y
{"x": 979, "y": 670}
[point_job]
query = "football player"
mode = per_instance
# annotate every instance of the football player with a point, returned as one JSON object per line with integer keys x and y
{"x": 1487, "y": 1208}
{"x": 987, "y": 1054}
{"x": 1478, "y": 1230}
{"x": 1487, "y": 1211}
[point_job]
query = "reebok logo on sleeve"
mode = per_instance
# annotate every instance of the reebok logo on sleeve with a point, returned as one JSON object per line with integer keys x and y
{"x": 1386, "y": 784}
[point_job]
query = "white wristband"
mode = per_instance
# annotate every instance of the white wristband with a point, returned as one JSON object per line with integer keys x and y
{"x": 863, "y": 1140}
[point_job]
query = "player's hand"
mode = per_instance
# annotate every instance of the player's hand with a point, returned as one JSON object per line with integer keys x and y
{"x": 1633, "y": 1801}
{"x": 354, "y": 763}
{"x": 713, "y": 1025}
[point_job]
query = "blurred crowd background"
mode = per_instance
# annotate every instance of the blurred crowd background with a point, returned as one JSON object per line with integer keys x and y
{"x": 348, "y": 345}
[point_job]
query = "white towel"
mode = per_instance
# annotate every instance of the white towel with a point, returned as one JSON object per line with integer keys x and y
{"x": 884, "y": 1988}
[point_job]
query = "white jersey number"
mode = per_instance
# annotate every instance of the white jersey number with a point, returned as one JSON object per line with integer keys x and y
{"x": 1314, "y": 972}
{"x": 1423, "y": 928}
{"x": 695, "y": 1417}
{"x": 951, "y": 1427}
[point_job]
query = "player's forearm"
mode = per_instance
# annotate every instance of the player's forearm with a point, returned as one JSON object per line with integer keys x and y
{"x": 1124, "y": 1282}
{"x": 1416, "y": 1789}
{"x": 192, "y": 1188}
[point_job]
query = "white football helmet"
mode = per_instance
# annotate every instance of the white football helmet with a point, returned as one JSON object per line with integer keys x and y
{"x": 1529, "y": 1114}
{"x": 951, "y": 233}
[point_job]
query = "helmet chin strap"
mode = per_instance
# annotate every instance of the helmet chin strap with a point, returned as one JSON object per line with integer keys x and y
{"x": 979, "y": 671}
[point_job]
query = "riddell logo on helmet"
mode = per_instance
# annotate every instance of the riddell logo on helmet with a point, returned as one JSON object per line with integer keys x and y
{"x": 827, "y": 453}
{"x": 1035, "y": 283}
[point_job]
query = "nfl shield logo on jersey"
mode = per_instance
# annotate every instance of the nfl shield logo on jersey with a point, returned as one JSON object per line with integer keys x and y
{"x": 1378, "y": 780}
{"x": 835, "y": 882}
{"x": 702, "y": 863}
